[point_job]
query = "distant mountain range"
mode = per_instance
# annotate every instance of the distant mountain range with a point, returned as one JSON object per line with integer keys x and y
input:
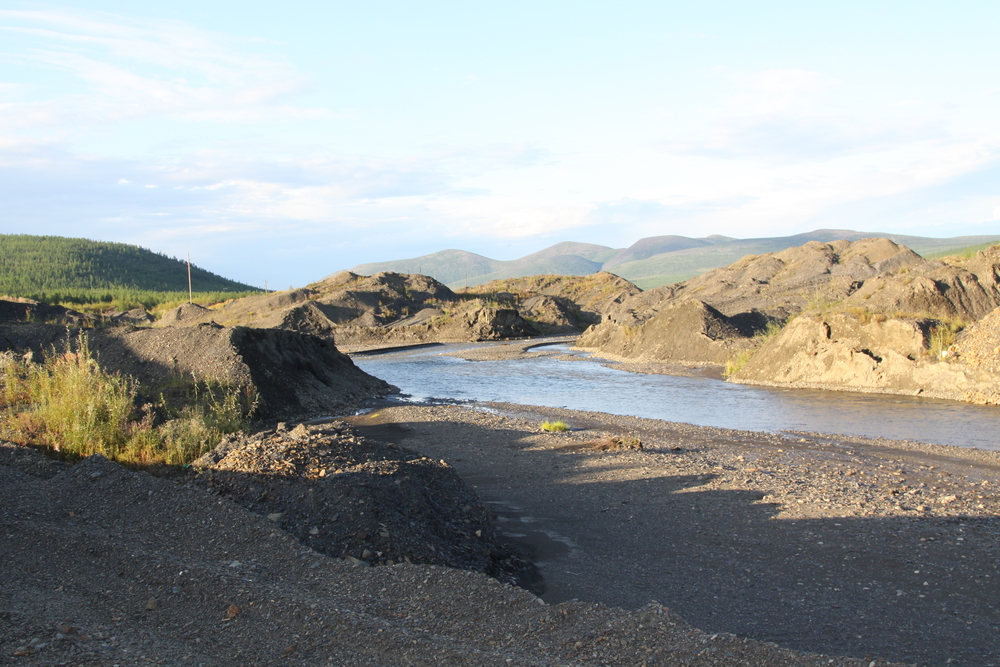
{"x": 649, "y": 262}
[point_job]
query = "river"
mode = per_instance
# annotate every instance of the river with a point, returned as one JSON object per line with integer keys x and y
{"x": 429, "y": 374}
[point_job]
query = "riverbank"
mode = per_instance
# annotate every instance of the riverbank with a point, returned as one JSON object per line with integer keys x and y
{"x": 839, "y": 545}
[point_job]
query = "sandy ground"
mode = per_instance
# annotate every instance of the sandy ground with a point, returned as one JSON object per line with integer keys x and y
{"x": 839, "y": 545}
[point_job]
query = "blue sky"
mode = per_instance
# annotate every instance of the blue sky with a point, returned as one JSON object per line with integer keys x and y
{"x": 285, "y": 141}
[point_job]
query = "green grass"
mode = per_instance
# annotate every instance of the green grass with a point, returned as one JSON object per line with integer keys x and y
{"x": 942, "y": 336}
{"x": 964, "y": 253}
{"x": 555, "y": 427}
{"x": 68, "y": 404}
{"x": 736, "y": 361}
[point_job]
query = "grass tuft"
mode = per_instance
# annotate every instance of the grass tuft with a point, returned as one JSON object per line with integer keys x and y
{"x": 555, "y": 427}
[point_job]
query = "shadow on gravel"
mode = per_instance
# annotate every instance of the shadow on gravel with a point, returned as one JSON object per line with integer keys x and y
{"x": 918, "y": 589}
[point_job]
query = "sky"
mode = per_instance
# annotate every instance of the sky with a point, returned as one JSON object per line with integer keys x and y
{"x": 282, "y": 142}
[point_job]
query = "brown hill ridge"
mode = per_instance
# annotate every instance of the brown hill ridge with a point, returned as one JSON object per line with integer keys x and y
{"x": 389, "y": 309}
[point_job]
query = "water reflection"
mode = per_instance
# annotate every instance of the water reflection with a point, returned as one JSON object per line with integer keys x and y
{"x": 588, "y": 385}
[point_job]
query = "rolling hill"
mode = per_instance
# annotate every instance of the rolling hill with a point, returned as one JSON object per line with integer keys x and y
{"x": 32, "y": 266}
{"x": 649, "y": 262}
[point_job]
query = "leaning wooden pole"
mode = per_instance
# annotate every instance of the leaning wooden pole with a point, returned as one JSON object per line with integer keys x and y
{"x": 190, "y": 294}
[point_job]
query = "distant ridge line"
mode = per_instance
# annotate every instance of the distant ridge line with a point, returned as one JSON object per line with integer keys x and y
{"x": 649, "y": 262}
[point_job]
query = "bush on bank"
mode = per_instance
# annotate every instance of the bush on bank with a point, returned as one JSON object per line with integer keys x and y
{"x": 68, "y": 404}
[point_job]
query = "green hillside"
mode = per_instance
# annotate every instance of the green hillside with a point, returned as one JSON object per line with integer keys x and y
{"x": 56, "y": 269}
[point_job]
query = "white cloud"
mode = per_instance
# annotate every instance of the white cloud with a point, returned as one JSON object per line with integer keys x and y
{"x": 778, "y": 90}
{"x": 132, "y": 68}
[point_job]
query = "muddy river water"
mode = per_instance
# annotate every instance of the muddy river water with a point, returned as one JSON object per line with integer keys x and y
{"x": 584, "y": 384}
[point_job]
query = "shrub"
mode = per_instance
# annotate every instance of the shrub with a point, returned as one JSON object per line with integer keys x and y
{"x": 736, "y": 361}
{"x": 67, "y": 403}
{"x": 942, "y": 336}
{"x": 555, "y": 427}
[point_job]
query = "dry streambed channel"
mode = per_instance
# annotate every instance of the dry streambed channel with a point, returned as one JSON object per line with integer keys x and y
{"x": 843, "y": 545}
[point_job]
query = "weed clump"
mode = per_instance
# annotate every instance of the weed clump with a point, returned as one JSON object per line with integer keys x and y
{"x": 68, "y": 404}
{"x": 555, "y": 427}
{"x": 739, "y": 359}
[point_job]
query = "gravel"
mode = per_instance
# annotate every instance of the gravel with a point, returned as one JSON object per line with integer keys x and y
{"x": 104, "y": 566}
{"x": 834, "y": 544}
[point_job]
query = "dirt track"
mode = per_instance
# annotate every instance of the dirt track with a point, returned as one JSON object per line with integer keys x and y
{"x": 845, "y": 546}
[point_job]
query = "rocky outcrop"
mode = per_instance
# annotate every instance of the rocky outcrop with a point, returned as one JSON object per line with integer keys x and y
{"x": 850, "y": 352}
{"x": 291, "y": 374}
{"x": 873, "y": 276}
{"x": 778, "y": 284}
{"x": 687, "y": 331}
{"x": 963, "y": 289}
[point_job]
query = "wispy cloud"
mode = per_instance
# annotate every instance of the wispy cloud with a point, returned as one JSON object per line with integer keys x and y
{"x": 131, "y": 68}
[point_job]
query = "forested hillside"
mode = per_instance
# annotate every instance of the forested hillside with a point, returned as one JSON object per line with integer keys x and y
{"x": 56, "y": 269}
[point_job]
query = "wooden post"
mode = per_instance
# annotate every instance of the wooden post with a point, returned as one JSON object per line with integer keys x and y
{"x": 190, "y": 296}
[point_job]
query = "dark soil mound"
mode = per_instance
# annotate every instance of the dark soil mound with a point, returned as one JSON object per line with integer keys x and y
{"x": 25, "y": 310}
{"x": 350, "y": 497}
{"x": 292, "y": 374}
{"x": 190, "y": 312}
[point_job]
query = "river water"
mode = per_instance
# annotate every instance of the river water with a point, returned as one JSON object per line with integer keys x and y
{"x": 428, "y": 374}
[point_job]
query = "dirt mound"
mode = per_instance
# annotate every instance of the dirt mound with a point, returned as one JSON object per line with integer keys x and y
{"x": 292, "y": 374}
{"x": 842, "y": 351}
{"x": 779, "y": 284}
{"x": 979, "y": 345}
{"x": 361, "y": 311}
{"x": 549, "y": 315}
{"x": 133, "y": 317}
{"x": 964, "y": 289}
{"x": 875, "y": 276}
{"x": 588, "y": 297}
{"x": 26, "y": 310}
{"x": 191, "y": 313}
{"x": 688, "y": 331}
{"x": 350, "y": 497}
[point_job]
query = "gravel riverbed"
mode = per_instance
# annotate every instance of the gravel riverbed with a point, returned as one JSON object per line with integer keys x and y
{"x": 706, "y": 547}
{"x": 840, "y": 545}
